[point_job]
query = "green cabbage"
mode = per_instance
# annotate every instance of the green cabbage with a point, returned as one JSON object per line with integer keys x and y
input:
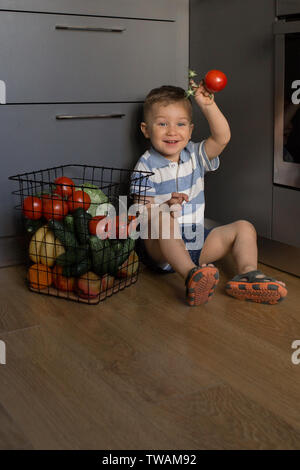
{"x": 97, "y": 197}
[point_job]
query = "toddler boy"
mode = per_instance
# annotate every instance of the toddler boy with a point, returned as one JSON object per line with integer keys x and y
{"x": 180, "y": 242}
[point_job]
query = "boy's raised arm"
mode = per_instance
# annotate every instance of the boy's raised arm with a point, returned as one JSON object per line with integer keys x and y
{"x": 219, "y": 127}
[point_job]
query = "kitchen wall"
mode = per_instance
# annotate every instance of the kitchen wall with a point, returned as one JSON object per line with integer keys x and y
{"x": 236, "y": 37}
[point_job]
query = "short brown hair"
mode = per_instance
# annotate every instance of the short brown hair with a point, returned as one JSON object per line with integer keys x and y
{"x": 166, "y": 94}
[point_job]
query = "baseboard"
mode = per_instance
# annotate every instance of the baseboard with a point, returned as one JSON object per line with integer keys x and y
{"x": 272, "y": 253}
{"x": 279, "y": 255}
{"x": 12, "y": 251}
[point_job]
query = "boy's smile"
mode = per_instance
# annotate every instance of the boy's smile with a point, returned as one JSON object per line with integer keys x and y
{"x": 169, "y": 128}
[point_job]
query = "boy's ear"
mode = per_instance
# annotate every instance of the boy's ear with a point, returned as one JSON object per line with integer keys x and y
{"x": 144, "y": 129}
{"x": 191, "y": 129}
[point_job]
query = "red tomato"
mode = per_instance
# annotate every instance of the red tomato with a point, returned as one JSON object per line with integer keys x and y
{"x": 215, "y": 80}
{"x": 64, "y": 186}
{"x": 32, "y": 207}
{"x": 124, "y": 228}
{"x": 79, "y": 199}
{"x": 104, "y": 227}
{"x": 94, "y": 222}
{"x": 54, "y": 207}
{"x": 111, "y": 227}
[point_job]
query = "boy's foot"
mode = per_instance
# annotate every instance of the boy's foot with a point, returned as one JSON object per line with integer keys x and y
{"x": 254, "y": 286}
{"x": 200, "y": 284}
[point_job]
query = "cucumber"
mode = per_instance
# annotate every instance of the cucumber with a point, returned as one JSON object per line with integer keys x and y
{"x": 31, "y": 226}
{"x": 81, "y": 268}
{"x": 66, "y": 237}
{"x": 120, "y": 255}
{"x": 73, "y": 256}
{"x": 75, "y": 261}
{"x": 81, "y": 222}
{"x": 69, "y": 223}
{"x": 101, "y": 253}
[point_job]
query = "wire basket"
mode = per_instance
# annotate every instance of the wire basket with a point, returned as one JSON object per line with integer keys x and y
{"x": 80, "y": 240}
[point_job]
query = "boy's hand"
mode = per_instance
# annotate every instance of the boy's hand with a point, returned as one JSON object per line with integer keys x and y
{"x": 177, "y": 200}
{"x": 202, "y": 96}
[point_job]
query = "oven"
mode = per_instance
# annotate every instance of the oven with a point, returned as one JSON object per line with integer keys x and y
{"x": 287, "y": 95}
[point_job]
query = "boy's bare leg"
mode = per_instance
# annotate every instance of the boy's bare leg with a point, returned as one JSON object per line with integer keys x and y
{"x": 239, "y": 238}
{"x": 170, "y": 250}
{"x": 167, "y": 246}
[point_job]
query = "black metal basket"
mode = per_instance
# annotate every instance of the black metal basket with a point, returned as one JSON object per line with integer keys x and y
{"x": 72, "y": 251}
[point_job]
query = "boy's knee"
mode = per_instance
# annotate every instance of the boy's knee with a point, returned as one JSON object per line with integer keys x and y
{"x": 245, "y": 227}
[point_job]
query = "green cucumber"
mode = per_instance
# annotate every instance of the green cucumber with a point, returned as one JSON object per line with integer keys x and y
{"x": 81, "y": 222}
{"x": 81, "y": 268}
{"x": 31, "y": 226}
{"x": 73, "y": 256}
{"x": 119, "y": 256}
{"x": 69, "y": 223}
{"x": 101, "y": 253}
{"x": 66, "y": 237}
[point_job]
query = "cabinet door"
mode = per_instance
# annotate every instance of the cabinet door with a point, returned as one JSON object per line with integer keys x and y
{"x": 287, "y": 7}
{"x": 62, "y": 58}
{"x": 32, "y": 138}
{"x": 156, "y": 9}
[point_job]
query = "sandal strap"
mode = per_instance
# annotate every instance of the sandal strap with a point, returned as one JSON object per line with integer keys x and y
{"x": 251, "y": 276}
{"x": 192, "y": 271}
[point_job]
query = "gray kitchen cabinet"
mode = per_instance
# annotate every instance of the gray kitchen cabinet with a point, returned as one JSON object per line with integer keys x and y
{"x": 34, "y": 139}
{"x": 156, "y": 9}
{"x": 102, "y": 59}
{"x": 82, "y": 71}
{"x": 287, "y": 7}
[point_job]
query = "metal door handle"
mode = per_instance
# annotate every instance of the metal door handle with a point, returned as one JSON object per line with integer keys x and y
{"x": 90, "y": 116}
{"x": 86, "y": 28}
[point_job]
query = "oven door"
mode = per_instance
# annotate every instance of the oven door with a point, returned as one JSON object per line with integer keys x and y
{"x": 287, "y": 103}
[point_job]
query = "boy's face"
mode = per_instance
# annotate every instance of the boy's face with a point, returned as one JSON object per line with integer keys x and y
{"x": 169, "y": 128}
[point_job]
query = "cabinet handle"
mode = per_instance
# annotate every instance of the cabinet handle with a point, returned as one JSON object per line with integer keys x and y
{"x": 90, "y": 116}
{"x": 86, "y": 28}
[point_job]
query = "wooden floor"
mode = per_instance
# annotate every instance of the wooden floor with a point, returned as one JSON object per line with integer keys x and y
{"x": 142, "y": 370}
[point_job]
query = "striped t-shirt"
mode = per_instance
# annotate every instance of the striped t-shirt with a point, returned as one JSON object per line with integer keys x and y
{"x": 186, "y": 176}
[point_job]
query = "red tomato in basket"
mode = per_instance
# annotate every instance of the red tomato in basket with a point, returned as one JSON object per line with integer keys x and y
{"x": 64, "y": 186}
{"x": 111, "y": 226}
{"x": 215, "y": 80}
{"x": 32, "y": 207}
{"x": 103, "y": 226}
{"x": 94, "y": 222}
{"x": 54, "y": 207}
{"x": 79, "y": 199}
{"x": 124, "y": 228}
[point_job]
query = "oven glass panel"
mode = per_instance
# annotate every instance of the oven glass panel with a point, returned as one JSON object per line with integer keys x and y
{"x": 291, "y": 138}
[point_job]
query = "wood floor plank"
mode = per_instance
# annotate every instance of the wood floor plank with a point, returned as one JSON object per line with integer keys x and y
{"x": 11, "y": 437}
{"x": 66, "y": 401}
{"x": 17, "y": 308}
{"x": 222, "y": 418}
{"x": 144, "y": 370}
{"x": 237, "y": 354}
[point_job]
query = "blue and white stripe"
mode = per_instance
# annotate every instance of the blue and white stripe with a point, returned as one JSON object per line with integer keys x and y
{"x": 186, "y": 176}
